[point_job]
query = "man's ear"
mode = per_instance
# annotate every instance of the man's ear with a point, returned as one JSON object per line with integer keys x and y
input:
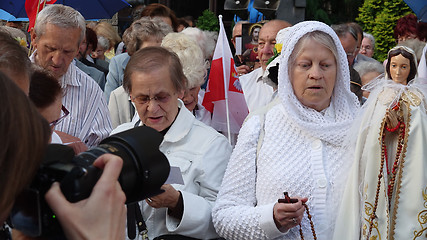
{"x": 33, "y": 38}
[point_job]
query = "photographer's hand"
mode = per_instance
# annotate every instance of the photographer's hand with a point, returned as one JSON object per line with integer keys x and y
{"x": 103, "y": 214}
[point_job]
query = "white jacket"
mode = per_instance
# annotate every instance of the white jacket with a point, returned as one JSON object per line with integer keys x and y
{"x": 202, "y": 155}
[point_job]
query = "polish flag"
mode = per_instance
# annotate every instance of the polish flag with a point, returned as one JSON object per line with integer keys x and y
{"x": 33, "y": 7}
{"x": 224, "y": 97}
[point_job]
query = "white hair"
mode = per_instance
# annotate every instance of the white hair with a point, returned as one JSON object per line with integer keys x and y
{"x": 103, "y": 42}
{"x": 365, "y": 67}
{"x": 370, "y": 37}
{"x": 205, "y": 39}
{"x": 60, "y": 16}
{"x": 190, "y": 56}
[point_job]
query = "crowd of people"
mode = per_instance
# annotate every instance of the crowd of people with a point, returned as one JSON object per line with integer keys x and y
{"x": 333, "y": 146}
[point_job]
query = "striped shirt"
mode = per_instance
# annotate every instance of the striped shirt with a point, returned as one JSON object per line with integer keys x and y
{"x": 89, "y": 119}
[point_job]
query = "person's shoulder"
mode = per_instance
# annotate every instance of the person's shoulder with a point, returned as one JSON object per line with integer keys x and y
{"x": 262, "y": 111}
{"x": 86, "y": 82}
{"x": 205, "y": 134}
{"x": 91, "y": 71}
{"x": 249, "y": 78}
{"x": 119, "y": 91}
{"x": 120, "y": 58}
{"x": 123, "y": 127}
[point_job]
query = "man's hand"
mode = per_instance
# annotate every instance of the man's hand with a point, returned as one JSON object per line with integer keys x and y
{"x": 243, "y": 69}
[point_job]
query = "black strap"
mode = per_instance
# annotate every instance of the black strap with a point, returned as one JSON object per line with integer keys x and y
{"x": 134, "y": 218}
{"x": 131, "y": 222}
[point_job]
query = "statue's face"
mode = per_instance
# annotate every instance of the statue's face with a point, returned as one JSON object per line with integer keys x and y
{"x": 399, "y": 69}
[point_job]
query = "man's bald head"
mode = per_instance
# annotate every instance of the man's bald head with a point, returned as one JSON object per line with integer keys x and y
{"x": 237, "y": 31}
{"x": 267, "y": 39}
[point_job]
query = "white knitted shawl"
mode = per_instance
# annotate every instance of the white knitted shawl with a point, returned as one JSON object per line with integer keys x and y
{"x": 285, "y": 162}
{"x": 343, "y": 100}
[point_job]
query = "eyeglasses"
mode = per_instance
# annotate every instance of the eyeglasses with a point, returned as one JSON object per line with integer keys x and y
{"x": 366, "y": 48}
{"x": 160, "y": 98}
{"x": 59, "y": 120}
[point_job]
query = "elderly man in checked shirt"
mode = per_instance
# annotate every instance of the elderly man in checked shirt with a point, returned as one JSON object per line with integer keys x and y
{"x": 57, "y": 35}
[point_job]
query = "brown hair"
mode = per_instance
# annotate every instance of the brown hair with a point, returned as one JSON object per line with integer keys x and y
{"x": 25, "y": 135}
{"x": 13, "y": 57}
{"x": 44, "y": 88}
{"x": 160, "y": 10}
{"x": 148, "y": 59}
{"x": 406, "y": 54}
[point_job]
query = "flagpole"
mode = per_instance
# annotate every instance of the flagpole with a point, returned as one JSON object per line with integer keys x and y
{"x": 225, "y": 82}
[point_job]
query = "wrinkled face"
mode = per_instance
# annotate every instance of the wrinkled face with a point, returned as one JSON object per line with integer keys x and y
{"x": 350, "y": 47}
{"x": 313, "y": 75}
{"x": 56, "y": 48}
{"x": 266, "y": 42}
{"x": 191, "y": 97}
{"x": 367, "y": 48}
{"x": 399, "y": 69}
{"x": 98, "y": 53}
{"x": 161, "y": 109}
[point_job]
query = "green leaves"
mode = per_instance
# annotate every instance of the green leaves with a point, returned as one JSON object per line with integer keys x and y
{"x": 208, "y": 21}
{"x": 379, "y": 18}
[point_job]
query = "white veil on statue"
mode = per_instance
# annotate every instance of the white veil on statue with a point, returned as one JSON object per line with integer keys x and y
{"x": 398, "y": 215}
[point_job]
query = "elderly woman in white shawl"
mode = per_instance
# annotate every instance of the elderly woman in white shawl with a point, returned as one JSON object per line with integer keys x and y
{"x": 294, "y": 145}
{"x": 386, "y": 193}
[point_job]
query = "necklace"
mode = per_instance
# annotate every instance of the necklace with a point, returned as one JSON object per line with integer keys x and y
{"x": 391, "y": 175}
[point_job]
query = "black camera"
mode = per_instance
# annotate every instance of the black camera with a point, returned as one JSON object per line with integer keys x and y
{"x": 145, "y": 169}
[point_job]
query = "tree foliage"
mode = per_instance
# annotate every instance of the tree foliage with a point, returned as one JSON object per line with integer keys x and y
{"x": 208, "y": 21}
{"x": 379, "y": 18}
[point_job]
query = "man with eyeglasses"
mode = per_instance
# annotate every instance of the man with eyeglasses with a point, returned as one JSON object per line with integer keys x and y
{"x": 349, "y": 41}
{"x": 56, "y": 38}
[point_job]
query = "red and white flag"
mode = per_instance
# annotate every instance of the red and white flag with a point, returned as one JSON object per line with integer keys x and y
{"x": 33, "y": 7}
{"x": 224, "y": 97}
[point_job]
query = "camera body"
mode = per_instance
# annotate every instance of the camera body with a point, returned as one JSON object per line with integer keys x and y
{"x": 145, "y": 169}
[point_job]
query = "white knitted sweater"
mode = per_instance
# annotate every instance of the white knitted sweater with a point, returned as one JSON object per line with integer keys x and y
{"x": 304, "y": 152}
{"x": 303, "y": 166}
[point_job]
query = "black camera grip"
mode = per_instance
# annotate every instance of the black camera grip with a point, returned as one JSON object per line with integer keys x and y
{"x": 79, "y": 182}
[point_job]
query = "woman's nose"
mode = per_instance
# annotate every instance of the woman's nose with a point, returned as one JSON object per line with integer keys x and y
{"x": 315, "y": 72}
